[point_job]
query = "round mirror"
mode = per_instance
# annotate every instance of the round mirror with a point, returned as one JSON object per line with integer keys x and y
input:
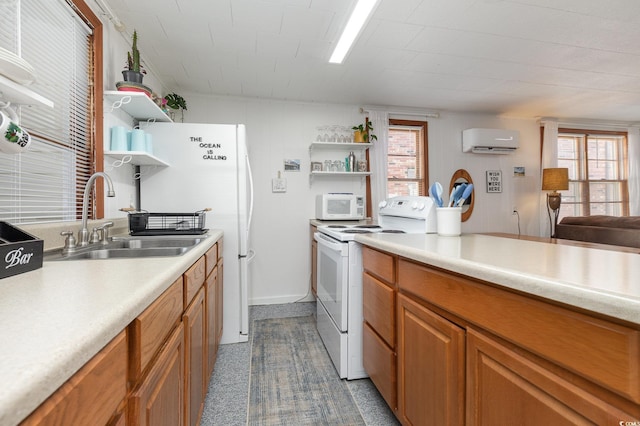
{"x": 459, "y": 177}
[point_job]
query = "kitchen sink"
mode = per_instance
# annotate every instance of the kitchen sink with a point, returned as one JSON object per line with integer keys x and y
{"x": 131, "y": 247}
{"x": 153, "y": 242}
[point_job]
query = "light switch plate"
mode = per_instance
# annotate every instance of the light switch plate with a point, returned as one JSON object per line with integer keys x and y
{"x": 278, "y": 185}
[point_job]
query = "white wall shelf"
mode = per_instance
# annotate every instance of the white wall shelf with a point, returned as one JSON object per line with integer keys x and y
{"x": 17, "y": 94}
{"x": 137, "y": 105}
{"x": 340, "y": 173}
{"x": 138, "y": 158}
{"x": 339, "y": 145}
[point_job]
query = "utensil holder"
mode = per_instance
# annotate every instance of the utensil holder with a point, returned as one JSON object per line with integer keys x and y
{"x": 449, "y": 221}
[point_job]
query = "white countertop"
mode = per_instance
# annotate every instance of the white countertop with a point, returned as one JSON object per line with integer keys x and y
{"x": 603, "y": 281}
{"x": 55, "y": 319}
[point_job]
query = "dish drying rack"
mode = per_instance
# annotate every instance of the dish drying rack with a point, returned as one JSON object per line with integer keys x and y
{"x": 146, "y": 223}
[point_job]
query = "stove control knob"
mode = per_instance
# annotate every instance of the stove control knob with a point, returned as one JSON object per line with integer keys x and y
{"x": 382, "y": 204}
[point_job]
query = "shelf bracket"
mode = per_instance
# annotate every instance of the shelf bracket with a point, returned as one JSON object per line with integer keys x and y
{"x": 118, "y": 104}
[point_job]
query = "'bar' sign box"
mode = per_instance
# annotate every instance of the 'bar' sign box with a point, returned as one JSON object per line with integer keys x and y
{"x": 19, "y": 252}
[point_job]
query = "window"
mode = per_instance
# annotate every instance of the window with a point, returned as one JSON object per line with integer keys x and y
{"x": 407, "y": 158}
{"x": 46, "y": 182}
{"x": 597, "y": 163}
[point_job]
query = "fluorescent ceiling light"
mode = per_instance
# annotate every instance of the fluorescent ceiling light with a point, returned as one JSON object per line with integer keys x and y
{"x": 356, "y": 21}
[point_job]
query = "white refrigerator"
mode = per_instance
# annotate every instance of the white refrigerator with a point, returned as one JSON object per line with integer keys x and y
{"x": 208, "y": 168}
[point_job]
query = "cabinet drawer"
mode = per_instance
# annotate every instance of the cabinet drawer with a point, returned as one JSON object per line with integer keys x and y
{"x": 379, "y": 264}
{"x": 211, "y": 259}
{"x": 380, "y": 365}
{"x": 151, "y": 328}
{"x": 379, "y": 308}
{"x": 504, "y": 385}
{"x": 93, "y": 394}
{"x": 193, "y": 280}
{"x": 602, "y": 351}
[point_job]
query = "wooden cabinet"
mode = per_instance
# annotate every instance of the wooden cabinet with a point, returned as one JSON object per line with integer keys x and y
{"x": 431, "y": 373}
{"x": 159, "y": 400}
{"x": 150, "y": 329}
{"x": 193, "y": 280}
{"x": 95, "y": 394}
{"x": 507, "y": 387}
{"x": 314, "y": 262}
{"x": 196, "y": 359}
{"x": 379, "y": 331}
{"x": 156, "y": 371}
{"x": 463, "y": 351}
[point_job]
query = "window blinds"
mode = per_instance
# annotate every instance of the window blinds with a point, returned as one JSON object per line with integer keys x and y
{"x": 45, "y": 183}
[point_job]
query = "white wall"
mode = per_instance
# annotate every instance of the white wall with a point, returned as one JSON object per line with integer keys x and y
{"x": 492, "y": 211}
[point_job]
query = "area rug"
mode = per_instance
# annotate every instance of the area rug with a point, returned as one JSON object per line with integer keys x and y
{"x": 293, "y": 381}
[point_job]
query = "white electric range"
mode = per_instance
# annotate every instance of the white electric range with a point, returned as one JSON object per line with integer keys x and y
{"x": 339, "y": 280}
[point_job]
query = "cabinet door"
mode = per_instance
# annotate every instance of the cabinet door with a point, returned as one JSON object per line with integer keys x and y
{"x": 430, "y": 367}
{"x": 195, "y": 367}
{"x": 92, "y": 395}
{"x": 211, "y": 286}
{"x": 504, "y": 387}
{"x": 159, "y": 400}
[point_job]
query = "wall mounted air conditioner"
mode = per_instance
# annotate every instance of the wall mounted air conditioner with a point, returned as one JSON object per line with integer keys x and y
{"x": 490, "y": 141}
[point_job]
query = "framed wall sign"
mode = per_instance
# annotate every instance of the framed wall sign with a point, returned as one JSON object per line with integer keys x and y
{"x": 494, "y": 181}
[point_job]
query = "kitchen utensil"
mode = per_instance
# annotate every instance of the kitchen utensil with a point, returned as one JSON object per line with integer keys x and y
{"x": 436, "y": 193}
{"x": 467, "y": 192}
{"x": 456, "y": 193}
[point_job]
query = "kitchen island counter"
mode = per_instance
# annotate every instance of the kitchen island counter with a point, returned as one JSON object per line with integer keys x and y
{"x": 56, "y": 318}
{"x": 601, "y": 281}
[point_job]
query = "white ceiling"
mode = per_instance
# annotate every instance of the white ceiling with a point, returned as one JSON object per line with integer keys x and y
{"x": 525, "y": 58}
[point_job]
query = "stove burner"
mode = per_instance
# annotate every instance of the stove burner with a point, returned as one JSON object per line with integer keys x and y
{"x": 392, "y": 231}
{"x": 356, "y": 231}
{"x": 368, "y": 226}
{"x": 336, "y": 226}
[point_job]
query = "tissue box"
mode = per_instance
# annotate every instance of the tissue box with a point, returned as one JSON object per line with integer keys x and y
{"x": 19, "y": 252}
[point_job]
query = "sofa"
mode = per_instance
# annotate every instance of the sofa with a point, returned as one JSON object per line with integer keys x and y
{"x": 614, "y": 230}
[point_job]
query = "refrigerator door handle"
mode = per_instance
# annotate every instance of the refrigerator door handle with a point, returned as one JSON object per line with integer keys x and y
{"x": 251, "y": 193}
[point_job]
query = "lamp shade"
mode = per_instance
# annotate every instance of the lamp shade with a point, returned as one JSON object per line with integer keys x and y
{"x": 555, "y": 179}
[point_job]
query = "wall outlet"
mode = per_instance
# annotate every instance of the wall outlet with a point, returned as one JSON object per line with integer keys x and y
{"x": 514, "y": 210}
{"x": 278, "y": 185}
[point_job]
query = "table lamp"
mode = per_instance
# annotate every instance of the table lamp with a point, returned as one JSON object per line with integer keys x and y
{"x": 554, "y": 180}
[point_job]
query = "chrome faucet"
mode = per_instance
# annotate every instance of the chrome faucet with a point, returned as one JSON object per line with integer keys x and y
{"x": 83, "y": 234}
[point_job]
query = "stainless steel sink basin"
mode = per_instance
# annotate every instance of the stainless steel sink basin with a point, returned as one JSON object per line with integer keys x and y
{"x": 153, "y": 242}
{"x": 128, "y": 253}
{"x": 132, "y": 247}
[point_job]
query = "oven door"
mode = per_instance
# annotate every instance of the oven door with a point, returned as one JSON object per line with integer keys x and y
{"x": 333, "y": 277}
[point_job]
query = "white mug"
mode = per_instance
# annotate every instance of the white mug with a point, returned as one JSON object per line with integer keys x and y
{"x": 13, "y": 138}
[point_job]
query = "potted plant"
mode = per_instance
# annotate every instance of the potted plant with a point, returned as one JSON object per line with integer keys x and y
{"x": 362, "y": 132}
{"x": 134, "y": 71}
{"x": 175, "y": 101}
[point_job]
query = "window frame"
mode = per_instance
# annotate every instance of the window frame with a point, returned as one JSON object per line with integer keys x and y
{"x": 97, "y": 123}
{"x": 424, "y": 164}
{"x": 585, "y": 199}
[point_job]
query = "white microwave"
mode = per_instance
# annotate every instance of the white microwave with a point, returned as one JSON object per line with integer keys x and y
{"x": 339, "y": 206}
